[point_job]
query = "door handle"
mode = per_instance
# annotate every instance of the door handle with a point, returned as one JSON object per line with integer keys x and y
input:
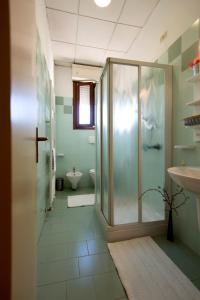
{"x": 37, "y": 140}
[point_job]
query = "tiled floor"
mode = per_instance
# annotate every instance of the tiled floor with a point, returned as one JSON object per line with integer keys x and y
{"x": 187, "y": 260}
{"x": 73, "y": 259}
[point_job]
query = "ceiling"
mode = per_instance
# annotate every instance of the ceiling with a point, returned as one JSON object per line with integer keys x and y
{"x": 83, "y": 33}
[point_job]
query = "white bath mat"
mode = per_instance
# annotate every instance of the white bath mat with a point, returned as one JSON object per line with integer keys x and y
{"x": 81, "y": 200}
{"x": 147, "y": 273}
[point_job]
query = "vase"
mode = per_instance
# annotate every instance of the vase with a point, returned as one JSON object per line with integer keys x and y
{"x": 195, "y": 69}
{"x": 170, "y": 232}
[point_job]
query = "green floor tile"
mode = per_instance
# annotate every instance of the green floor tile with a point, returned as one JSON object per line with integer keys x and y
{"x": 197, "y": 283}
{"x": 81, "y": 289}
{"x": 52, "y": 228}
{"x": 97, "y": 246}
{"x": 77, "y": 249}
{"x": 62, "y": 251}
{"x": 52, "y": 292}
{"x": 58, "y": 271}
{"x": 95, "y": 264}
{"x": 53, "y": 253}
{"x": 57, "y": 238}
{"x": 108, "y": 287}
{"x": 182, "y": 256}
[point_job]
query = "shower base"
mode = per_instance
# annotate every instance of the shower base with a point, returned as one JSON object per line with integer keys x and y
{"x": 127, "y": 231}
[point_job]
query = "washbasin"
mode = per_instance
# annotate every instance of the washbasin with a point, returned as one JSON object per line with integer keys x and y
{"x": 189, "y": 179}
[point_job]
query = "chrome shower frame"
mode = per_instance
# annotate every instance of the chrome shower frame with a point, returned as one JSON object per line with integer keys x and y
{"x": 125, "y": 231}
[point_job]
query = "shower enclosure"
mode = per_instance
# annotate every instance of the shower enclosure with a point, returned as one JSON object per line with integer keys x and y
{"x": 133, "y": 120}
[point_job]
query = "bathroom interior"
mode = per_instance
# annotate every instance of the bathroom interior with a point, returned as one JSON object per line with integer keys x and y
{"x": 143, "y": 133}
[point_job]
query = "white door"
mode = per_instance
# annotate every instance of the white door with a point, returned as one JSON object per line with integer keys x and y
{"x": 23, "y": 168}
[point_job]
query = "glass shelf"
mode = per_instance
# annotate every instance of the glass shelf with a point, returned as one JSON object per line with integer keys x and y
{"x": 193, "y": 103}
{"x": 194, "y": 78}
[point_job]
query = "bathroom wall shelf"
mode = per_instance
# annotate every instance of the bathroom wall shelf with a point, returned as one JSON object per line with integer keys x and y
{"x": 194, "y": 78}
{"x": 60, "y": 154}
{"x": 185, "y": 147}
{"x": 193, "y": 103}
{"x": 192, "y": 121}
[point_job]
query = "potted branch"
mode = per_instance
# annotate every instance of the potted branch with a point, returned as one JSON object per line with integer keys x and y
{"x": 172, "y": 204}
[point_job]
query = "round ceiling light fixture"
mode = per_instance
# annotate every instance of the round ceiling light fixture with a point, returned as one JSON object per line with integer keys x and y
{"x": 102, "y": 3}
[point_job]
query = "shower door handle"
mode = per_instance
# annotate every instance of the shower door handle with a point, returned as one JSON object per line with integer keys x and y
{"x": 37, "y": 140}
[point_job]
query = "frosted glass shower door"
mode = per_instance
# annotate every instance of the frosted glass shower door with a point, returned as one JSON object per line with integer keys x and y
{"x": 105, "y": 204}
{"x": 125, "y": 144}
{"x": 152, "y": 101}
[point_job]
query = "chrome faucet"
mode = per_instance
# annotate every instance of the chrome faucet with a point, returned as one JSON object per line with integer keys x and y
{"x": 74, "y": 170}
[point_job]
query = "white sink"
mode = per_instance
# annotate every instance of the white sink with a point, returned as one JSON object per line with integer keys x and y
{"x": 189, "y": 179}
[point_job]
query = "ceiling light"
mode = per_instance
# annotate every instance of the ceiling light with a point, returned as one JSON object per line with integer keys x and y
{"x": 102, "y": 3}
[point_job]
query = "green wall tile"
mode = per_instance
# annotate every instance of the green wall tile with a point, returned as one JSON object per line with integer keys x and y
{"x": 190, "y": 36}
{"x": 163, "y": 59}
{"x": 185, "y": 224}
{"x": 59, "y": 100}
{"x": 189, "y": 54}
{"x": 68, "y": 101}
{"x": 67, "y": 109}
{"x": 174, "y": 50}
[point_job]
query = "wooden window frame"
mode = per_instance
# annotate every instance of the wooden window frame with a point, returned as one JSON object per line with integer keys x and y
{"x": 76, "y": 101}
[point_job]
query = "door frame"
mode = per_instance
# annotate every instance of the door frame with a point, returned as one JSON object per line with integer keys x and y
{"x": 5, "y": 153}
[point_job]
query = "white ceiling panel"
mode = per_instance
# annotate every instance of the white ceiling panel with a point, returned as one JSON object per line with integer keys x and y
{"x": 123, "y": 37}
{"x": 110, "y": 13}
{"x": 135, "y": 12}
{"x": 65, "y": 5}
{"x": 63, "y": 26}
{"x": 88, "y": 55}
{"x": 102, "y": 28}
{"x": 147, "y": 46}
{"x": 93, "y": 32}
{"x": 63, "y": 51}
{"x": 114, "y": 54}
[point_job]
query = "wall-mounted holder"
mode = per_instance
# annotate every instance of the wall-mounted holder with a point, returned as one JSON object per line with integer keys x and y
{"x": 184, "y": 147}
{"x": 60, "y": 154}
{"x": 37, "y": 140}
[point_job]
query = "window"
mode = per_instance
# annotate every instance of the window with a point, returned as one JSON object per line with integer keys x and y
{"x": 83, "y": 105}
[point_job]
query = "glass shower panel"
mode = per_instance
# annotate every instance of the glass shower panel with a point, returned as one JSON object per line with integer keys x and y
{"x": 125, "y": 144}
{"x": 105, "y": 146}
{"x": 152, "y": 99}
{"x": 98, "y": 143}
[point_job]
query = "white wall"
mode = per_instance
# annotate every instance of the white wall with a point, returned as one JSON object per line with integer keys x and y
{"x": 74, "y": 144}
{"x": 63, "y": 81}
{"x": 43, "y": 29}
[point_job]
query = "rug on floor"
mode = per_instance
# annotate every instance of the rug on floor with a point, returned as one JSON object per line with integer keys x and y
{"x": 80, "y": 200}
{"x": 147, "y": 273}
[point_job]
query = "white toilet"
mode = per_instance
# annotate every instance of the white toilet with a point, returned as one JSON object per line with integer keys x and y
{"x": 92, "y": 175}
{"x": 74, "y": 178}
